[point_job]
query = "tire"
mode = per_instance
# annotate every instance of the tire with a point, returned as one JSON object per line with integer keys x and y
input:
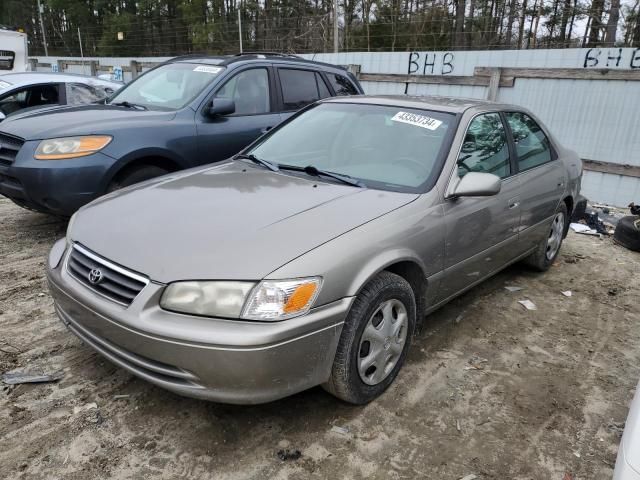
{"x": 549, "y": 247}
{"x": 627, "y": 232}
{"x": 135, "y": 175}
{"x": 346, "y": 382}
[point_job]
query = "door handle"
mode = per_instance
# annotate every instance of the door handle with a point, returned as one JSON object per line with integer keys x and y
{"x": 266, "y": 129}
{"x": 513, "y": 205}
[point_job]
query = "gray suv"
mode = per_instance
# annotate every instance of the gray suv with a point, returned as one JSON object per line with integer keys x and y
{"x": 310, "y": 258}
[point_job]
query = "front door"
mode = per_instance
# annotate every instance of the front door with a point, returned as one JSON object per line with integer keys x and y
{"x": 222, "y": 136}
{"x": 481, "y": 232}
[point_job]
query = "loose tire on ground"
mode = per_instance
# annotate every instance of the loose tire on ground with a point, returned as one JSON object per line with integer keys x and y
{"x": 627, "y": 232}
{"x": 549, "y": 247}
{"x": 386, "y": 298}
{"x": 135, "y": 175}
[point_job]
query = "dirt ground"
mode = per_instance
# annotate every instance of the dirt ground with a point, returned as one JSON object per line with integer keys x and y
{"x": 489, "y": 389}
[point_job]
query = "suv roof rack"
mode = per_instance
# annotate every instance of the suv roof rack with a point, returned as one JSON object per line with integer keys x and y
{"x": 268, "y": 54}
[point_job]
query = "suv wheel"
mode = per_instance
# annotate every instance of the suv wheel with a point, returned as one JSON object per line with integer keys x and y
{"x": 135, "y": 175}
{"x": 374, "y": 341}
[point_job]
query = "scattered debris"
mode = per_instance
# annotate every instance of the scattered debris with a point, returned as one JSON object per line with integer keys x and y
{"x": 513, "y": 288}
{"x": 471, "y": 476}
{"x": 567, "y": 293}
{"x": 16, "y": 378}
{"x": 528, "y": 304}
{"x": 84, "y": 408}
{"x": 475, "y": 363}
{"x": 118, "y": 397}
{"x": 616, "y": 427}
{"x": 634, "y": 209}
{"x": 567, "y": 476}
{"x": 287, "y": 454}
{"x": 458, "y": 427}
{"x": 340, "y": 430}
{"x": 613, "y": 291}
{"x": 458, "y": 318}
{"x": 576, "y": 454}
{"x": 580, "y": 228}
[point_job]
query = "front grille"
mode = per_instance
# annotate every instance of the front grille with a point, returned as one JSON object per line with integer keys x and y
{"x": 104, "y": 277}
{"x": 9, "y": 148}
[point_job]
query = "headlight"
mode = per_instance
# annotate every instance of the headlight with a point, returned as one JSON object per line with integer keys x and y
{"x": 275, "y": 300}
{"x": 212, "y": 299}
{"x": 71, "y": 147}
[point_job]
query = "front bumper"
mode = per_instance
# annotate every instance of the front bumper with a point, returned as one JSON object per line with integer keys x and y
{"x": 228, "y": 361}
{"x": 56, "y": 186}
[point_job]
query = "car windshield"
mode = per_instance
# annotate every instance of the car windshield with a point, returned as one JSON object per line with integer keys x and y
{"x": 168, "y": 87}
{"x": 390, "y": 148}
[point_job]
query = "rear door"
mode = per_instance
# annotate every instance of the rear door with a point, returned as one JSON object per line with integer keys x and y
{"x": 541, "y": 174}
{"x": 252, "y": 90}
{"x": 481, "y": 232}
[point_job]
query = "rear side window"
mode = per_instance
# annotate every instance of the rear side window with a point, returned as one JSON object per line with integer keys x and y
{"x": 532, "y": 145}
{"x": 485, "y": 147}
{"x": 322, "y": 87}
{"x": 299, "y": 88}
{"x": 341, "y": 84}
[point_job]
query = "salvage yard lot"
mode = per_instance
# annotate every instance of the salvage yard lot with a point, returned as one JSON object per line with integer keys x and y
{"x": 489, "y": 388}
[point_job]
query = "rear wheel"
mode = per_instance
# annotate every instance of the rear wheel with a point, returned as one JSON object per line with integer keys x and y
{"x": 549, "y": 247}
{"x": 374, "y": 341}
{"x": 135, "y": 175}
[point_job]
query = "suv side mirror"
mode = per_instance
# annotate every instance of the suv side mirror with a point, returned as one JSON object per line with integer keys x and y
{"x": 221, "y": 106}
{"x": 477, "y": 184}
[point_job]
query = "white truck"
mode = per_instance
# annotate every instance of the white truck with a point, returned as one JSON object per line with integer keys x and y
{"x": 13, "y": 51}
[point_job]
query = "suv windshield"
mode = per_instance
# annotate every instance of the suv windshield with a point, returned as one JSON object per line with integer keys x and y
{"x": 168, "y": 87}
{"x": 390, "y": 148}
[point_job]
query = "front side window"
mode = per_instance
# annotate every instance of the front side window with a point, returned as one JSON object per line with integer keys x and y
{"x": 7, "y": 57}
{"x": 249, "y": 90}
{"x": 168, "y": 87}
{"x": 29, "y": 97}
{"x": 485, "y": 148}
{"x": 341, "y": 84}
{"x": 299, "y": 88}
{"x": 388, "y": 148}
{"x": 532, "y": 145}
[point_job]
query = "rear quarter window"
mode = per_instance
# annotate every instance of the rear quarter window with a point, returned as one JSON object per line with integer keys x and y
{"x": 341, "y": 84}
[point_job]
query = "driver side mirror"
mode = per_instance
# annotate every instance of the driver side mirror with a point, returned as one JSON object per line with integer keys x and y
{"x": 2, "y": 116}
{"x": 477, "y": 184}
{"x": 221, "y": 106}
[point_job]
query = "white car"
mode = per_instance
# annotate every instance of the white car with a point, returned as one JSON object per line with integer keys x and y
{"x": 628, "y": 463}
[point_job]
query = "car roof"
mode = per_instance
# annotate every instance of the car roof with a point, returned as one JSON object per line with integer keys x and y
{"x": 28, "y": 78}
{"x": 224, "y": 60}
{"x": 428, "y": 102}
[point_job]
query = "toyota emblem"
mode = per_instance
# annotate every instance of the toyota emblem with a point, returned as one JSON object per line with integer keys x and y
{"x": 95, "y": 276}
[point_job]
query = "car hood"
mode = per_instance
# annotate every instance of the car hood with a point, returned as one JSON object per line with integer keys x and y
{"x": 80, "y": 120}
{"x": 234, "y": 221}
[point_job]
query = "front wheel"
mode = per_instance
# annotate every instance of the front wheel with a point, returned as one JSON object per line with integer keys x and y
{"x": 374, "y": 341}
{"x": 549, "y": 247}
{"x": 135, "y": 175}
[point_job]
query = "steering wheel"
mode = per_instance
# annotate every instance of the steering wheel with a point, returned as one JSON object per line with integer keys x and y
{"x": 412, "y": 164}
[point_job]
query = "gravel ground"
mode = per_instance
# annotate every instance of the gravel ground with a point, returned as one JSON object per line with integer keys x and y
{"x": 489, "y": 389}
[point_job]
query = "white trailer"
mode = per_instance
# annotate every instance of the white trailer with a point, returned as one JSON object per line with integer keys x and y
{"x": 13, "y": 51}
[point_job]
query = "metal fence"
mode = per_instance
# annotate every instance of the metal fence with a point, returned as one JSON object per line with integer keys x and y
{"x": 589, "y": 98}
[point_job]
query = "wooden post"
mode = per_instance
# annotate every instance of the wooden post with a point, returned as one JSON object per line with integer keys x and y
{"x": 354, "y": 69}
{"x": 93, "y": 67}
{"x": 33, "y": 64}
{"x": 494, "y": 84}
{"x": 61, "y": 66}
{"x": 134, "y": 69}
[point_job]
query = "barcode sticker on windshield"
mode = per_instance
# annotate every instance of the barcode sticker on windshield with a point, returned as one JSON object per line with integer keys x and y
{"x": 205, "y": 69}
{"x": 417, "y": 120}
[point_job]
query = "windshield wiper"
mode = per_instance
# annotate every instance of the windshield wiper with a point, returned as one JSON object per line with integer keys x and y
{"x": 265, "y": 163}
{"x": 128, "y": 105}
{"x": 316, "y": 172}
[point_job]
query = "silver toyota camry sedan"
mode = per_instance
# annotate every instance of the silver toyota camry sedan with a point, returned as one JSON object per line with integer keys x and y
{"x": 311, "y": 257}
